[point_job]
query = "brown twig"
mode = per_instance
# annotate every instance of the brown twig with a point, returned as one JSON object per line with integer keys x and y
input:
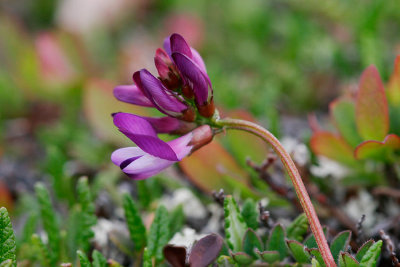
{"x": 386, "y": 191}
{"x": 359, "y": 228}
{"x": 390, "y": 248}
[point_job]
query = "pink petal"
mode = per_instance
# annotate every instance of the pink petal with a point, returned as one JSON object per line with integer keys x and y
{"x": 131, "y": 94}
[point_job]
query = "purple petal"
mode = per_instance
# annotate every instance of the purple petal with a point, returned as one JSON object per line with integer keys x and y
{"x": 158, "y": 94}
{"x": 167, "y": 45}
{"x": 179, "y": 45}
{"x": 164, "y": 124}
{"x": 143, "y": 135}
{"x": 198, "y": 60}
{"x": 181, "y": 145}
{"x": 131, "y": 94}
{"x": 146, "y": 166}
{"x": 193, "y": 74}
{"x": 133, "y": 124}
{"x": 122, "y": 154}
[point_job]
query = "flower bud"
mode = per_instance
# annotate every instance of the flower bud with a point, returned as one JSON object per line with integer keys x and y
{"x": 208, "y": 109}
{"x": 201, "y": 136}
{"x": 169, "y": 75}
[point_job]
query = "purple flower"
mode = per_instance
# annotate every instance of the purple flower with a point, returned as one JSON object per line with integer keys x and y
{"x": 152, "y": 155}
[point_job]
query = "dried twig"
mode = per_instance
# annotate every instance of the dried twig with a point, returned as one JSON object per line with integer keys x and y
{"x": 390, "y": 248}
{"x": 359, "y": 228}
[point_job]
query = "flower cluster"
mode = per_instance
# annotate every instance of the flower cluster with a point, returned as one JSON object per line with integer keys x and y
{"x": 183, "y": 92}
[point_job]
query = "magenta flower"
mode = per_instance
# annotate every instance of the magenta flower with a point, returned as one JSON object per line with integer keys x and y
{"x": 152, "y": 155}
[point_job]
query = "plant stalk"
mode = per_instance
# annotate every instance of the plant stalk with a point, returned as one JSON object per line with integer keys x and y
{"x": 294, "y": 175}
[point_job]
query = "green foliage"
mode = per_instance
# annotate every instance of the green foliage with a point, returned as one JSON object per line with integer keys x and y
{"x": 298, "y": 228}
{"x": 235, "y": 226}
{"x": 251, "y": 243}
{"x": 298, "y": 251}
{"x": 250, "y": 213}
{"x": 372, "y": 255}
{"x": 7, "y": 239}
{"x": 43, "y": 254}
{"x": 177, "y": 219}
{"x": 159, "y": 233}
{"x": 147, "y": 258}
{"x": 339, "y": 244}
{"x": 363, "y": 249}
{"x": 134, "y": 221}
{"x": 276, "y": 241}
{"x": 98, "y": 259}
{"x": 50, "y": 223}
{"x": 83, "y": 259}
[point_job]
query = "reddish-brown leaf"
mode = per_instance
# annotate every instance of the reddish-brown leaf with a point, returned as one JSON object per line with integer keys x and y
{"x": 372, "y": 115}
{"x": 205, "y": 251}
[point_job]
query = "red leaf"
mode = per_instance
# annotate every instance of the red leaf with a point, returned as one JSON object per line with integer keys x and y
{"x": 332, "y": 146}
{"x": 372, "y": 115}
{"x": 372, "y": 149}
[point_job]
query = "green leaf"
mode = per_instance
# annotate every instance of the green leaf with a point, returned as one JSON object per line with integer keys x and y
{"x": 298, "y": 251}
{"x": 42, "y": 251}
{"x": 310, "y": 241}
{"x": 83, "y": 259}
{"x": 235, "y": 227}
{"x": 315, "y": 263}
{"x": 372, "y": 115}
{"x": 317, "y": 254}
{"x": 98, "y": 259}
{"x": 29, "y": 227}
{"x": 147, "y": 258}
{"x": 158, "y": 234}
{"x": 343, "y": 113}
{"x": 242, "y": 258}
{"x": 135, "y": 224}
{"x": 298, "y": 228}
{"x": 87, "y": 214}
{"x": 380, "y": 151}
{"x": 6, "y": 263}
{"x": 7, "y": 238}
{"x": 177, "y": 221}
{"x": 268, "y": 256}
{"x": 250, "y": 213}
{"x": 340, "y": 243}
{"x": 372, "y": 255}
{"x": 50, "y": 223}
{"x": 363, "y": 249}
{"x": 346, "y": 260}
{"x": 276, "y": 241}
{"x": 251, "y": 241}
{"x": 333, "y": 147}
{"x": 393, "y": 87}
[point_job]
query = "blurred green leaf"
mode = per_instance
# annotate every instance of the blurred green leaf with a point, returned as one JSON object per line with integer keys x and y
{"x": 159, "y": 233}
{"x": 298, "y": 228}
{"x": 7, "y": 238}
{"x": 250, "y": 213}
{"x": 83, "y": 259}
{"x": 98, "y": 259}
{"x": 235, "y": 226}
{"x": 371, "y": 256}
{"x": 276, "y": 241}
{"x": 340, "y": 243}
{"x": 134, "y": 221}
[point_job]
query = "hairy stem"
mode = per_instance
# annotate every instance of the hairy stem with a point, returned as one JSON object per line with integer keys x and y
{"x": 294, "y": 175}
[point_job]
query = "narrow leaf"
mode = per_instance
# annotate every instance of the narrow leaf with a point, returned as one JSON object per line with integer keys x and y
{"x": 276, "y": 241}
{"x": 83, "y": 259}
{"x": 250, "y": 213}
{"x": 363, "y": 249}
{"x": 147, "y": 262}
{"x": 372, "y": 115}
{"x": 298, "y": 228}
{"x": 176, "y": 224}
{"x": 98, "y": 259}
{"x": 135, "y": 224}
{"x": 298, "y": 251}
{"x": 370, "y": 258}
{"x": 235, "y": 227}
{"x": 50, "y": 223}
{"x": 7, "y": 238}
{"x": 340, "y": 243}
{"x": 332, "y": 146}
{"x": 158, "y": 234}
{"x": 42, "y": 252}
{"x": 343, "y": 113}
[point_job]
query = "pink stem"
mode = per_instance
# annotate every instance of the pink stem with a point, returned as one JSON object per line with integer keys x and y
{"x": 301, "y": 191}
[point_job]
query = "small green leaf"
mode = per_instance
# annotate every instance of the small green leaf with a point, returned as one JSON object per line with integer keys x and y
{"x": 298, "y": 228}
{"x": 250, "y": 213}
{"x": 346, "y": 260}
{"x": 98, "y": 259}
{"x": 340, "y": 243}
{"x": 317, "y": 254}
{"x": 147, "y": 258}
{"x": 380, "y": 151}
{"x": 310, "y": 241}
{"x": 235, "y": 227}
{"x": 363, "y": 249}
{"x": 268, "y": 256}
{"x": 298, "y": 251}
{"x": 83, "y": 259}
{"x": 276, "y": 241}
{"x": 315, "y": 263}
{"x": 50, "y": 223}
{"x": 135, "y": 224}
{"x": 158, "y": 234}
{"x": 176, "y": 224}
{"x": 7, "y": 238}
{"x": 372, "y": 255}
{"x": 372, "y": 116}
{"x": 42, "y": 252}
{"x": 242, "y": 258}
{"x": 251, "y": 241}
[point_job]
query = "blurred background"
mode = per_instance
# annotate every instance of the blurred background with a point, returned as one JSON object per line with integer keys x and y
{"x": 60, "y": 60}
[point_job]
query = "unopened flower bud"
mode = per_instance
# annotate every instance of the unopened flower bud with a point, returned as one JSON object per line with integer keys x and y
{"x": 201, "y": 136}
{"x": 169, "y": 75}
{"x": 208, "y": 109}
{"x": 188, "y": 115}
